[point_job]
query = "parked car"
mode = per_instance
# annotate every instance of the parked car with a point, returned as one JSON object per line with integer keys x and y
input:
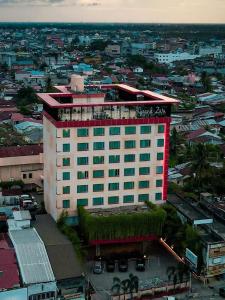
{"x": 98, "y": 267}
{"x": 140, "y": 264}
{"x": 123, "y": 265}
{"x": 110, "y": 265}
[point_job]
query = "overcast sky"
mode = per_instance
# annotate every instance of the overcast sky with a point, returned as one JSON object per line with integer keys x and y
{"x": 151, "y": 11}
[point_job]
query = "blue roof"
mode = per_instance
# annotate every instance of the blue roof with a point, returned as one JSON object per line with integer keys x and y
{"x": 17, "y": 294}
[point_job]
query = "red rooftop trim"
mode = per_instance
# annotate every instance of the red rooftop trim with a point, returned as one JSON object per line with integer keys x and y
{"x": 134, "y": 239}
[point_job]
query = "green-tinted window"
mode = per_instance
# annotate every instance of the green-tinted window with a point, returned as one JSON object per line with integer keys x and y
{"x": 143, "y": 184}
{"x": 114, "y": 172}
{"x": 114, "y": 145}
{"x": 66, "y": 162}
{"x": 98, "y": 173}
{"x": 158, "y": 196}
{"x": 113, "y": 200}
{"x": 159, "y": 169}
{"x": 130, "y": 144}
{"x": 129, "y": 185}
{"x": 99, "y": 131}
{"x": 98, "y": 160}
{"x": 114, "y": 130}
{"x": 129, "y": 172}
{"x": 82, "y": 188}
{"x": 66, "y": 147}
{"x": 160, "y": 156}
{"x": 145, "y": 143}
{"x": 99, "y": 146}
{"x": 159, "y": 183}
{"x": 144, "y": 171}
{"x": 143, "y": 197}
{"x": 98, "y": 187}
{"x": 160, "y": 142}
{"x": 82, "y": 202}
{"x": 114, "y": 186}
{"x": 113, "y": 159}
{"x": 81, "y": 161}
{"x": 82, "y": 174}
{"x": 145, "y": 129}
{"x": 66, "y": 133}
{"x": 66, "y": 203}
{"x": 82, "y": 147}
{"x": 129, "y": 158}
{"x": 128, "y": 199}
{"x": 98, "y": 201}
{"x": 66, "y": 175}
{"x": 130, "y": 130}
{"x": 145, "y": 157}
{"x": 161, "y": 128}
{"x": 66, "y": 190}
{"x": 82, "y": 132}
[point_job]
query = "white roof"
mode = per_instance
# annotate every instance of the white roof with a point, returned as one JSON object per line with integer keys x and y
{"x": 32, "y": 256}
{"x": 21, "y": 215}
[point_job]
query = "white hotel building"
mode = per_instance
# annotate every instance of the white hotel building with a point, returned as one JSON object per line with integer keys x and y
{"x": 104, "y": 146}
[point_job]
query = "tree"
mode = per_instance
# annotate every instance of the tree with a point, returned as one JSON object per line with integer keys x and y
{"x": 49, "y": 88}
{"x": 206, "y": 82}
{"x": 178, "y": 273}
{"x": 121, "y": 286}
{"x": 26, "y": 96}
{"x": 134, "y": 284}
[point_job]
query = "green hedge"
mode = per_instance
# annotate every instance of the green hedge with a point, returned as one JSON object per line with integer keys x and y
{"x": 121, "y": 226}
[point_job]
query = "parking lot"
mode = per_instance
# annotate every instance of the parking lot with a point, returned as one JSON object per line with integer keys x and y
{"x": 155, "y": 272}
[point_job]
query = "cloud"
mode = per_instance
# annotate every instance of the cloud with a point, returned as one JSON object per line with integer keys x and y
{"x": 50, "y": 3}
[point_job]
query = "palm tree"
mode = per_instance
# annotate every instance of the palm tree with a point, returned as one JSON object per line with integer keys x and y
{"x": 177, "y": 273}
{"x": 134, "y": 284}
{"x": 121, "y": 286}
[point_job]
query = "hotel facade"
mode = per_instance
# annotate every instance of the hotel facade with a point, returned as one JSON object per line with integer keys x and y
{"x": 104, "y": 146}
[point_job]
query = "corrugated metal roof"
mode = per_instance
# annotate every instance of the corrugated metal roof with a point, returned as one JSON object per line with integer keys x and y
{"x": 32, "y": 256}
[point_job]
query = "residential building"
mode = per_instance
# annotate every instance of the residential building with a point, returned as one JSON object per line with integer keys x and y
{"x": 169, "y": 58}
{"x": 112, "y": 50}
{"x": 105, "y": 146}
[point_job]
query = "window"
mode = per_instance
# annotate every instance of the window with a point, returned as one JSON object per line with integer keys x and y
{"x": 66, "y": 203}
{"x": 30, "y": 175}
{"x": 98, "y": 174}
{"x": 66, "y": 175}
{"x": 144, "y": 171}
{"x": 159, "y": 169}
{"x": 113, "y": 159}
{"x": 145, "y": 143}
{"x": 82, "y": 202}
{"x": 159, "y": 183}
{"x": 81, "y": 132}
{"x": 129, "y": 158}
{"x": 24, "y": 176}
{"x": 66, "y": 162}
{"x": 143, "y": 197}
{"x": 66, "y": 189}
{"x": 130, "y": 144}
{"x": 82, "y": 174}
{"x": 145, "y": 157}
{"x": 99, "y": 146}
{"x": 98, "y": 187}
{"x": 160, "y": 156}
{"x": 129, "y": 172}
{"x": 145, "y": 129}
{"x": 158, "y": 196}
{"x": 82, "y": 147}
{"x": 66, "y": 133}
{"x": 114, "y": 130}
{"x": 99, "y": 131}
{"x": 98, "y": 201}
{"x": 161, "y": 128}
{"x": 113, "y": 200}
{"x": 128, "y": 185}
{"x": 130, "y": 130}
{"x": 128, "y": 198}
{"x": 98, "y": 160}
{"x": 81, "y": 161}
{"x": 82, "y": 188}
{"x": 114, "y": 172}
{"x": 160, "y": 142}
{"x": 114, "y": 186}
{"x": 143, "y": 184}
{"x": 114, "y": 145}
{"x": 66, "y": 147}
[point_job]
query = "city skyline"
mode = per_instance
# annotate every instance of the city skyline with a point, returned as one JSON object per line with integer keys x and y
{"x": 146, "y": 11}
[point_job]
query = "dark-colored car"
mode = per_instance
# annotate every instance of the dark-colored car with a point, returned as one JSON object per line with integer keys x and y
{"x": 110, "y": 265}
{"x": 123, "y": 265}
{"x": 140, "y": 264}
